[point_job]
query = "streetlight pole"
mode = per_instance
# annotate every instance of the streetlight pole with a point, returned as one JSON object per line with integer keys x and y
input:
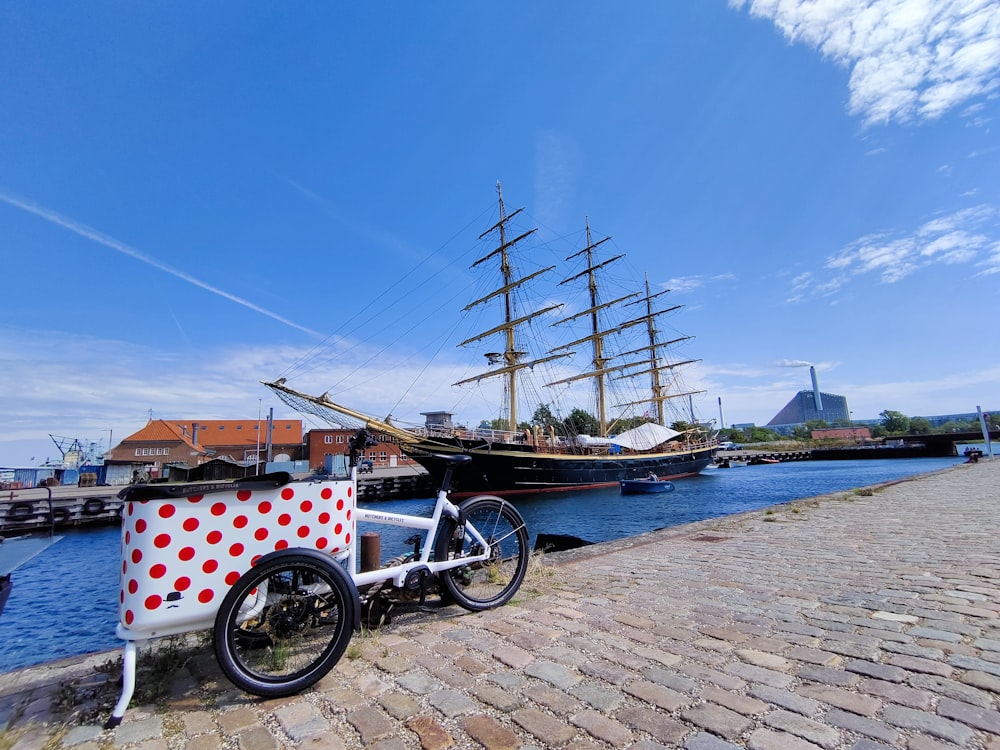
{"x": 256, "y": 458}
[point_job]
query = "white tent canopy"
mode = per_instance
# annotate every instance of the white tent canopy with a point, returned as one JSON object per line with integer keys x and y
{"x": 644, "y": 437}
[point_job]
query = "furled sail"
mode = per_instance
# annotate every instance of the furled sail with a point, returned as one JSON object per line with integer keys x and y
{"x": 644, "y": 437}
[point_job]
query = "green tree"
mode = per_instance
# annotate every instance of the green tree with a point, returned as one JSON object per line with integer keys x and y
{"x": 967, "y": 425}
{"x": 895, "y": 422}
{"x": 801, "y": 432}
{"x": 817, "y": 424}
{"x": 920, "y": 426}
{"x": 543, "y": 417}
{"x": 731, "y": 434}
{"x": 759, "y": 435}
{"x": 580, "y": 422}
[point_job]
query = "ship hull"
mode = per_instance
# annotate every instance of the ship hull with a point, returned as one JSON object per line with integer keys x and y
{"x": 510, "y": 470}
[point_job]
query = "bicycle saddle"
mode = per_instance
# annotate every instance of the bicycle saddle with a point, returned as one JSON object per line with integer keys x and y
{"x": 455, "y": 459}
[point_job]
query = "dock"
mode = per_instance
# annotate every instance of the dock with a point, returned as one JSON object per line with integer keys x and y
{"x": 59, "y": 507}
{"x": 865, "y": 620}
{"x": 69, "y": 506}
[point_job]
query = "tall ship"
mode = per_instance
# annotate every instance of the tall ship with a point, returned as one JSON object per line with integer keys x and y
{"x": 626, "y": 437}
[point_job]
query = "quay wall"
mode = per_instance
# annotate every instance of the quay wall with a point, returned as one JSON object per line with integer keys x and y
{"x": 63, "y": 507}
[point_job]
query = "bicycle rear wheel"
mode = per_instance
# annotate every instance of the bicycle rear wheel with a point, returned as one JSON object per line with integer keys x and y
{"x": 284, "y": 624}
{"x": 490, "y": 583}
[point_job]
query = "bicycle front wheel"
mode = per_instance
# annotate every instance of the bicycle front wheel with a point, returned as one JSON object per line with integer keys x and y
{"x": 492, "y": 582}
{"x": 284, "y": 624}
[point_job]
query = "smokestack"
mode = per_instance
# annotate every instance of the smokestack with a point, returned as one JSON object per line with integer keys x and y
{"x": 194, "y": 433}
{"x": 816, "y": 396}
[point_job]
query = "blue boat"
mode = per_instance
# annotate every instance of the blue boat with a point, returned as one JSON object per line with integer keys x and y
{"x": 644, "y": 486}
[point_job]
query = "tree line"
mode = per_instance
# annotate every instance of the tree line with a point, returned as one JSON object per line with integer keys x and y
{"x": 891, "y": 423}
{"x": 582, "y": 422}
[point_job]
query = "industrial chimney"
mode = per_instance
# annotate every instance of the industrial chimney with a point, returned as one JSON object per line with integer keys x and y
{"x": 816, "y": 396}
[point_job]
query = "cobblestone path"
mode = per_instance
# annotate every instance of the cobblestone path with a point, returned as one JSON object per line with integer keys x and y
{"x": 850, "y": 621}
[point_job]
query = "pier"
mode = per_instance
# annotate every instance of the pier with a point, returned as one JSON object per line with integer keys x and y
{"x": 850, "y": 621}
{"x": 69, "y": 506}
{"x": 757, "y": 456}
{"x": 59, "y": 507}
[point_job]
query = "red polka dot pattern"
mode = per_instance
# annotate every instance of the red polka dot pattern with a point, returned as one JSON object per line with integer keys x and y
{"x": 180, "y": 556}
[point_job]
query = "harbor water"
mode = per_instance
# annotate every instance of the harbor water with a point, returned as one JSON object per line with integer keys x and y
{"x": 65, "y": 601}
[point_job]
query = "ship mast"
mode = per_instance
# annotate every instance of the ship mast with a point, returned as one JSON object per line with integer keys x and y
{"x": 646, "y": 357}
{"x": 511, "y": 358}
{"x": 656, "y": 386}
{"x": 596, "y": 336}
{"x": 654, "y": 368}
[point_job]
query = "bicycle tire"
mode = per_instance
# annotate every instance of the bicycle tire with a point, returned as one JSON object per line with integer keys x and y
{"x": 284, "y": 624}
{"x": 481, "y": 586}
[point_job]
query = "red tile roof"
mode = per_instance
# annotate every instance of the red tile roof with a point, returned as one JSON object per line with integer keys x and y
{"x": 219, "y": 432}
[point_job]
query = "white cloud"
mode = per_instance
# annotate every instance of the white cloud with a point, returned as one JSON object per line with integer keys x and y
{"x": 949, "y": 393}
{"x": 968, "y": 236}
{"x": 991, "y": 264}
{"x": 110, "y": 242}
{"x": 909, "y": 59}
{"x": 60, "y": 384}
{"x": 684, "y": 283}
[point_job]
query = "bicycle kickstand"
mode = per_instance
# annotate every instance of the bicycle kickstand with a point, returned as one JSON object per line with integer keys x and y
{"x": 128, "y": 686}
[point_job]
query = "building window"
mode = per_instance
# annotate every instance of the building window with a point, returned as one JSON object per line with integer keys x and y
{"x": 383, "y": 456}
{"x": 340, "y": 438}
{"x": 138, "y": 451}
{"x": 328, "y": 439}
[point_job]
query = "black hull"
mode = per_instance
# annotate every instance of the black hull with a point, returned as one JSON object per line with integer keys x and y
{"x": 508, "y": 470}
{"x": 5, "y": 588}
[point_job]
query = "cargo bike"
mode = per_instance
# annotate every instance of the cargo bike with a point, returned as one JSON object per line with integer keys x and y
{"x": 270, "y": 564}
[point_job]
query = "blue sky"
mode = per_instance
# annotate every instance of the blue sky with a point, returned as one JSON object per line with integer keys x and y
{"x": 195, "y": 198}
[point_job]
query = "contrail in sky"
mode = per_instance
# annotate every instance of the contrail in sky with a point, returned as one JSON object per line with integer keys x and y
{"x": 92, "y": 234}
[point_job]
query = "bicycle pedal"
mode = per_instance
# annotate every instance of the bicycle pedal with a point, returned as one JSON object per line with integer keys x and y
{"x": 416, "y": 578}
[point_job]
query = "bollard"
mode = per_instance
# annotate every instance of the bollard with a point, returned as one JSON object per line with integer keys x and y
{"x": 371, "y": 551}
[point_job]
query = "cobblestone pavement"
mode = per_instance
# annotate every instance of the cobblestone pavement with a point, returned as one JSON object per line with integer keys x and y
{"x": 847, "y": 621}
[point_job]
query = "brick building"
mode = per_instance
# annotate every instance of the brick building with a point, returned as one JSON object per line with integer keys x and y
{"x": 243, "y": 441}
{"x": 856, "y": 434}
{"x": 321, "y": 443}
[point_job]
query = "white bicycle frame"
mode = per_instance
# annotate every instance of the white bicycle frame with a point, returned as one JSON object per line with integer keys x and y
{"x": 152, "y": 536}
{"x": 431, "y": 526}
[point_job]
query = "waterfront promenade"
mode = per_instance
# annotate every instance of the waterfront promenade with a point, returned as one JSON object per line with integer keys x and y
{"x": 852, "y": 620}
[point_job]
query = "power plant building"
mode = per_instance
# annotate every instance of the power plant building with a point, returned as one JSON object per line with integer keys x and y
{"x": 812, "y": 405}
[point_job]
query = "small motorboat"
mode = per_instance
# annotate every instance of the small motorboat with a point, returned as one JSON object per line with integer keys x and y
{"x": 643, "y": 486}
